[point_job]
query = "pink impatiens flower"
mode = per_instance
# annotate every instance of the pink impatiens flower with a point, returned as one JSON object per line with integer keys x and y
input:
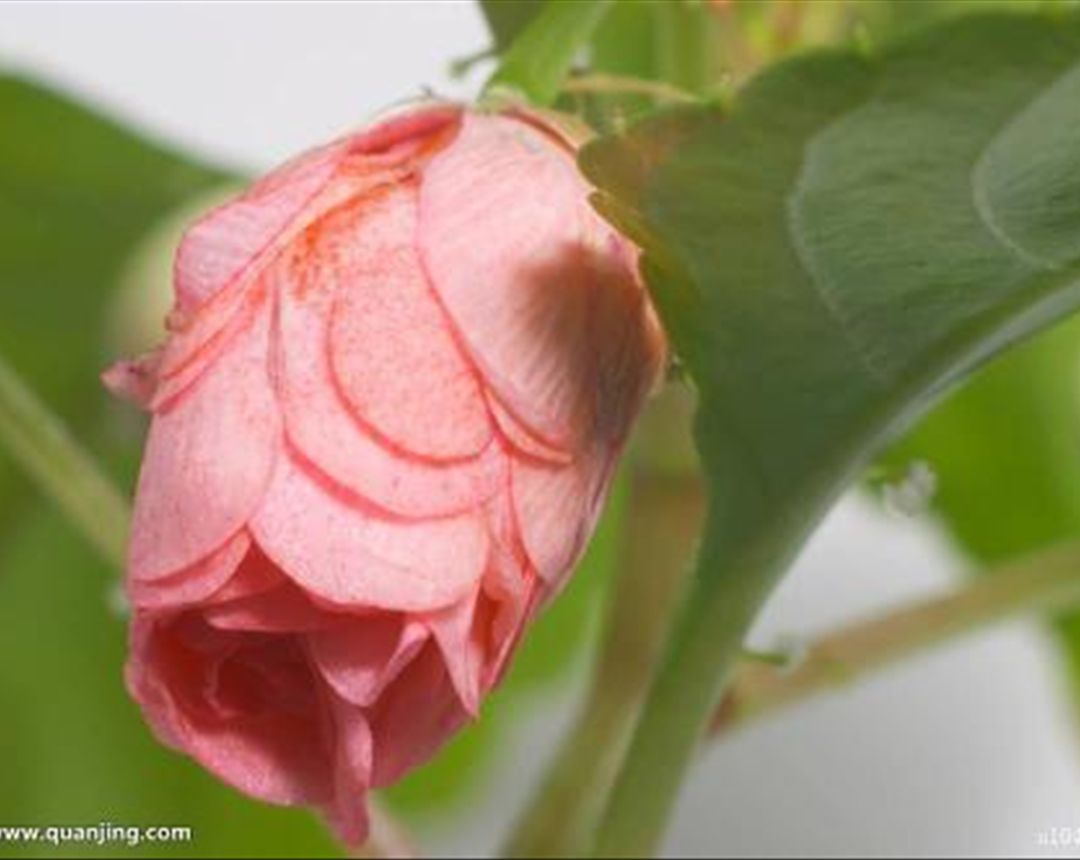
{"x": 399, "y": 372}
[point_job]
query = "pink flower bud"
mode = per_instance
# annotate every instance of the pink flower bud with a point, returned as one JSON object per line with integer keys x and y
{"x": 399, "y": 372}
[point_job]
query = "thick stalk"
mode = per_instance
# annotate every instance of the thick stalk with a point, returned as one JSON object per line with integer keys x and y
{"x": 705, "y": 644}
{"x": 662, "y": 520}
{"x": 61, "y": 468}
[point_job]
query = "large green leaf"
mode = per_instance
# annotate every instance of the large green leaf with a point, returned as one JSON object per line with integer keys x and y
{"x": 1004, "y": 446}
{"x": 861, "y": 231}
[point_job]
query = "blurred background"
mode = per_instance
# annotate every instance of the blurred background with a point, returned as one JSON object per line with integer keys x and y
{"x": 117, "y": 123}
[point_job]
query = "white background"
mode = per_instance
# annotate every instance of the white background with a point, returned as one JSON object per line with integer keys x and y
{"x": 968, "y": 751}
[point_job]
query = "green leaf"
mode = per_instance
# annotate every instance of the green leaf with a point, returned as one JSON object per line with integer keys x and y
{"x": 77, "y": 194}
{"x": 856, "y": 236}
{"x": 686, "y": 44}
{"x": 507, "y": 18}
{"x": 1004, "y": 446}
{"x": 651, "y": 41}
{"x": 535, "y": 64}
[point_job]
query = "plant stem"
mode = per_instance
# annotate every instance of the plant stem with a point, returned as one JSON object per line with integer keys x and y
{"x": 62, "y": 469}
{"x": 539, "y": 59}
{"x": 704, "y": 645}
{"x": 599, "y": 82}
{"x": 1048, "y": 580}
{"x": 686, "y": 45}
{"x": 663, "y": 517}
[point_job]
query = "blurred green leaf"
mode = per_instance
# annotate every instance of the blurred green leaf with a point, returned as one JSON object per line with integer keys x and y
{"x": 77, "y": 194}
{"x": 507, "y": 18}
{"x": 857, "y": 235}
{"x": 1006, "y": 453}
{"x": 535, "y": 64}
{"x": 886, "y": 19}
{"x": 686, "y": 42}
{"x": 646, "y": 40}
{"x": 626, "y": 43}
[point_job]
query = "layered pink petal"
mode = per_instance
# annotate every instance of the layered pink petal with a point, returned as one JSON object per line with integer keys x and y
{"x": 352, "y": 556}
{"x": 321, "y": 427}
{"x": 508, "y": 239}
{"x": 230, "y": 243}
{"x": 415, "y": 716}
{"x": 393, "y": 355}
{"x": 193, "y": 349}
{"x": 256, "y": 575}
{"x": 222, "y": 256}
{"x": 416, "y": 122}
{"x": 511, "y": 589}
{"x": 353, "y": 763}
{"x": 359, "y": 660}
{"x": 521, "y": 440}
{"x": 135, "y": 380}
{"x": 207, "y": 462}
{"x": 224, "y": 245}
{"x": 556, "y": 510}
{"x": 399, "y": 371}
{"x": 462, "y": 648}
{"x": 630, "y": 360}
{"x": 244, "y": 707}
{"x": 284, "y": 609}
{"x": 195, "y": 583}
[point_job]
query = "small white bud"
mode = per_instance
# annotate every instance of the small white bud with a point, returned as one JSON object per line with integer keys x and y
{"x": 912, "y": 494}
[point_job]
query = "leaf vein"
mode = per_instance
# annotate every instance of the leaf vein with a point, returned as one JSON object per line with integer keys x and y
{"x": 983, "y": 205}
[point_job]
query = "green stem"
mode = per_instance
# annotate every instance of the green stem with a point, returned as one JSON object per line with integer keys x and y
{"x": 609, "y": 84}
{"x": 704, "y": 647}
{"x": 61, "y": 468}
{"x": 686, "y": 45}
{"x": 539, "y": 59}
{"x": 662, "y": 521}
{"x": 1047, "y": 581}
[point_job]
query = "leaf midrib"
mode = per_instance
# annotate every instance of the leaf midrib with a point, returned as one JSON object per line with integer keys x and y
{"x": 983, "y": 206}
{"x": 878, "y": 376}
